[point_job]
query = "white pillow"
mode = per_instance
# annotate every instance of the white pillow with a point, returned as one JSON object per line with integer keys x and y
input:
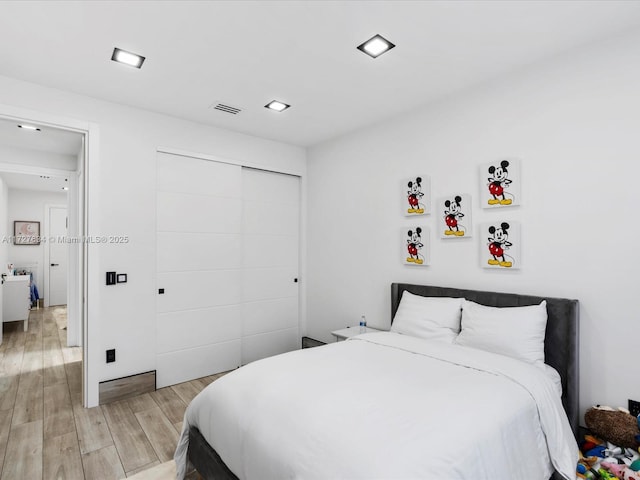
{"x": 434, "y": 318}
{"x": 514, "y": 331}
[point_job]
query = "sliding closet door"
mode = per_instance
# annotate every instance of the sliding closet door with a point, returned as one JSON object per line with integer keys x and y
{"x": 200, "y": 258}
{"x": 270, "y": 255}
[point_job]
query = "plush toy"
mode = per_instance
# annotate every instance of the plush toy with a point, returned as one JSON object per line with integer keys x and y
{"x": 615, "y": 426}
{"x": 587, "y": 466}
{"x": 621, "y": 471}
{"x": 606, "y": 475}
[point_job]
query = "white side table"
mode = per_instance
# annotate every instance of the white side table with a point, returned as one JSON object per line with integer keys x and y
{"x": 349, "y": 332}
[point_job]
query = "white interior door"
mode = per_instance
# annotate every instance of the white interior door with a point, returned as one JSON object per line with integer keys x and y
{"x": 58, "y": 257}
{"x": 199, "y": 260}
{"x": 270, "y": 256}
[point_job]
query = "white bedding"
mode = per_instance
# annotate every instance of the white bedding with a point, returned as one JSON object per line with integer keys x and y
{"x": 385, "y": 406}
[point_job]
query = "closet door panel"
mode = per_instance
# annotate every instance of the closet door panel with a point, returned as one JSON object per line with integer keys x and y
{"x": 186, "y": 212}
{"x": 196, "y": 176}
{"x": 271, "y": 218}
{"x": 195, "y": 328}
{"x": 227, "y": 261}
{"x": 270, "y": 251}
{"x": 269, "y": 283}
{"x": 179, "y": 251}
{"x": 264, "y": 345}
{"x": 269, "y": 315}
{"x": 199, "y": 265}
{"x": 259, "y": 185}
{"x": 184, "y": 365}
{"x": 195, "y": 290}
{"x": 270, "y": 230}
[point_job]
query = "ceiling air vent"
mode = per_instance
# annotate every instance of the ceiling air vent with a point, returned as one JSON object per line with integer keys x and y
{"x": 226, "y": 108}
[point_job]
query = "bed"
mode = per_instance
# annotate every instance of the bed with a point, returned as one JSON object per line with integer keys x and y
{"x": 420, "y": 409}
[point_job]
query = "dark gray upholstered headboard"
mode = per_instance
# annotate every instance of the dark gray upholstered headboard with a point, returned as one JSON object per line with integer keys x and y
{"x": 561, "y": 340}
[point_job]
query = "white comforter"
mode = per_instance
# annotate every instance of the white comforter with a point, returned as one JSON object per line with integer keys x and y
{"x": 385, "y": 406}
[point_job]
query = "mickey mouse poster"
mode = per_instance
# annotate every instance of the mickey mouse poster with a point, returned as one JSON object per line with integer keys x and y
{"x": 416, "y": 195}
{"x": 500, "y": 183}
{"x": 501, "y": 248}
{"x": 454, "y": 214}
{"x": 415, "y": 245}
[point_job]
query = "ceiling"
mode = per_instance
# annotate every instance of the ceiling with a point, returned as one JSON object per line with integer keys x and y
{"x": 52, "y": 140}
{"x": 246, "y": 53}
{"x": 21, "y": 181}
{"x": 47, "y": 140}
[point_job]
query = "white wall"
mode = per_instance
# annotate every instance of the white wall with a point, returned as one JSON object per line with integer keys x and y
{"x": 28, "y": 205}
{"x": 125, "y": 188}
{"x": 574, "y": 122}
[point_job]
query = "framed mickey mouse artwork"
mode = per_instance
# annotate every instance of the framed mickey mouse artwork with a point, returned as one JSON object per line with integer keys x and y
{"x": 416, "y": 195}
{"x": 501, "y": 249}
{"x": 500, "y": 183}
{"x": 415, "y": 245}
{"x": 454, "y": 216}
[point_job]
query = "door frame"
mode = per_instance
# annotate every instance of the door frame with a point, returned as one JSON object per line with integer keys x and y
{"x": 46, "y": 230}
{"x": 88, "y": 201}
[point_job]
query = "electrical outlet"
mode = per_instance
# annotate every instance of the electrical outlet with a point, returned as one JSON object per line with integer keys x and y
{"x": 111, "y": 355}
{"x": 634, "y": 407}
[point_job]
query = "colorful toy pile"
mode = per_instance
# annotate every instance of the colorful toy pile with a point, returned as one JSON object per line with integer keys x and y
{"x": 600, "y": 458}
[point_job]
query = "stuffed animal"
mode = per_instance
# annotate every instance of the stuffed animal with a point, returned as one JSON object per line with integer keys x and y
{"x": 587, "y": 466}
{"x": 604, "y": 475}
{"x": 621, "y": 471}
{"x": 616, "y": 426}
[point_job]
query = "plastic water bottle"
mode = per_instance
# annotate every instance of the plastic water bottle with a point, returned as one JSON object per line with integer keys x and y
{"x": 363, "y": 324}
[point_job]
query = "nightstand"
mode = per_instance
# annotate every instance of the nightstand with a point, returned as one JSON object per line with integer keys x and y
{"x": 349, "y": 332}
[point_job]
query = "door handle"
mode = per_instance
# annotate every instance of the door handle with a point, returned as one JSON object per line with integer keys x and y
{"x": 55, "y": 264}
{"x": 4, "y": 275}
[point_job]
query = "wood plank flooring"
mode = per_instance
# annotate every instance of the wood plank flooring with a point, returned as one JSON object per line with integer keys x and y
{"x": 46, "y": 434}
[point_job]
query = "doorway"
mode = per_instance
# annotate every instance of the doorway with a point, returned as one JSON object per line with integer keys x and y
{"x": 77, "y": 287}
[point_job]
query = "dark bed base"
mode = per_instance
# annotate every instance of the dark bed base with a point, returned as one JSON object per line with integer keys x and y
{"x": 205, "y": 459}
{"x": 561, "y": 352}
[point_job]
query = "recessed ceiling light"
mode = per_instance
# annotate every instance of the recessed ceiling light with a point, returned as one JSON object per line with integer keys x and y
{"x": 376, "y": 46}
{"x": 128, "y": 58}
{"x": 65, "y": 188}
{"x": 277, "y": 106}
{"x": 29, "y": 127}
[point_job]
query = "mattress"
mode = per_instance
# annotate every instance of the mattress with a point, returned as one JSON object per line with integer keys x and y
{"x": 385, "y": 406}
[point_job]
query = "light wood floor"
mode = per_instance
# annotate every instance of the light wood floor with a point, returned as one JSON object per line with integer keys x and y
{"x": 45, "y": 433}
